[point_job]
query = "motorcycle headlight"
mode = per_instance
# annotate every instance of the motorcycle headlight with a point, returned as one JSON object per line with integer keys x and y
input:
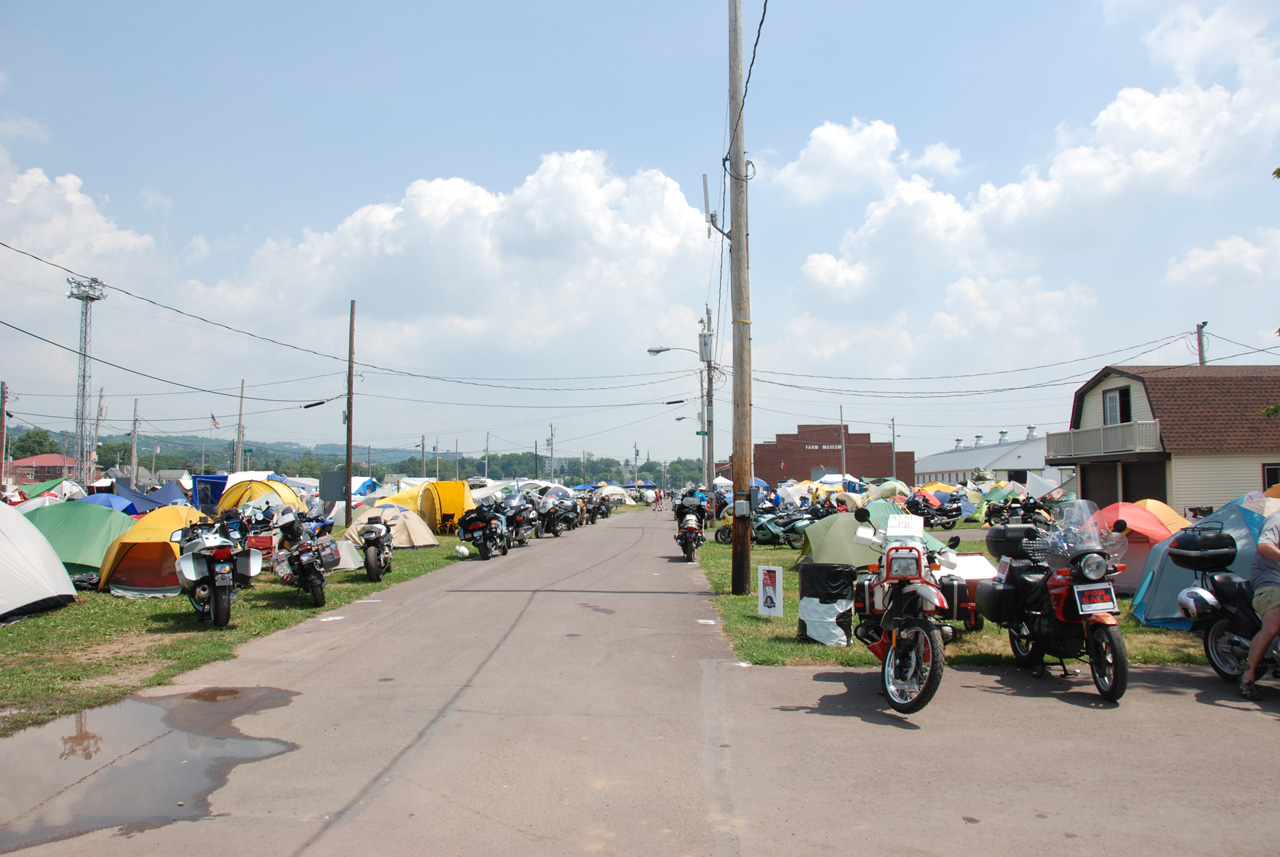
{"x": 904, "y": 566}
{"x": 1093, "y": 567}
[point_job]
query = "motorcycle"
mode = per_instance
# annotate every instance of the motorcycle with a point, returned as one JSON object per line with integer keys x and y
{"x": 689, "y": 536}
{"x": 1220, "y": 606}
{"x": 211, "y": 567}
{"x": 486, "y": 527}
{"x": 304, "y": 558}
{"x": 946, "y": 516}
{"x": 900, "y": 604}
{"x": 375, "y": 547}
{"x": 604, "y": 507}
{"x": 1052, "y": 591}
{"x": 769, "y": 528}
{"x": 1017, "y": 510}
{"x": 522, "y": 518}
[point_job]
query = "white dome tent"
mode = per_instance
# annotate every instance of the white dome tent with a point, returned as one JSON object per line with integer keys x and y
{"x": 32, "y": 578}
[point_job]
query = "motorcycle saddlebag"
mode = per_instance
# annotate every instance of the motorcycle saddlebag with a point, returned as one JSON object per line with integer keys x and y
{"x": 327, "y": 547}
{"x": 998, "y": 602}
{"x": 862, "y": 596}
{"x": 1201, "y": 549}
{"x": 956, "y": 591}
{"x": 1007, "y": 539}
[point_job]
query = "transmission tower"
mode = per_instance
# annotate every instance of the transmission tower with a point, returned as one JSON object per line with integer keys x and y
{"x": 86, "y": 292}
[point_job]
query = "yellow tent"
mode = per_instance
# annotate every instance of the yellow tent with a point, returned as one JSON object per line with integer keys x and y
{"x": 1167, "y": 516}
{"x": 1273, "y": 491}
{"x": 938, "y": 486}
{"x": 142, "y": 559}
{"x": 440, "y": 504}
{"x": 243, "y": 492}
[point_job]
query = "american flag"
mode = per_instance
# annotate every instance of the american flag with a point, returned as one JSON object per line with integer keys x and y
{"x": 216, "y": 424}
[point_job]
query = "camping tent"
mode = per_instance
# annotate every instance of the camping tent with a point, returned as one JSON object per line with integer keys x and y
{"x": 1145, "y": 530}
{"x": 616, "y": 494}
{"x": 31, "y": 576}
{"x": 1157, "y": 600}
{"x": 80, "y": 532}
{"x": 407, "y": 529}
{"x": 440, "y": 504}
{"x": 273, "y": 492}
{"x": 111, "y": 501}
{"x": 140, "y": 562}
{"x": 1167, "y": 516}
{"x": 62, "y": 488}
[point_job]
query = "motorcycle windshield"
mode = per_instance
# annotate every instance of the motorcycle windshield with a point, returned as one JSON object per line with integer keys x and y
{"x": 1078, "y": 528}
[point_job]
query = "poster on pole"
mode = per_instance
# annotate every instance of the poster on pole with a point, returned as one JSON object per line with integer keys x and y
{"x": 769, "y": 590}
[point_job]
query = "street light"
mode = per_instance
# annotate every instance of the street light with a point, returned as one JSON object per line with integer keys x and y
{"x": 707, "y": 417}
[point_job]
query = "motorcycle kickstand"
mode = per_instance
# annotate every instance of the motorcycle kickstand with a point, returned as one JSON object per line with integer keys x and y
{"x": 1067, "y": 673}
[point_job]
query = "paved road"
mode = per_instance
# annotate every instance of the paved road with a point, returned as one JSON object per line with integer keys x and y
{"x": 577, "y": 697}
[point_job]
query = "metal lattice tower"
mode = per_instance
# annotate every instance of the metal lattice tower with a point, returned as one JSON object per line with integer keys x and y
{"x": 86, "y": 292}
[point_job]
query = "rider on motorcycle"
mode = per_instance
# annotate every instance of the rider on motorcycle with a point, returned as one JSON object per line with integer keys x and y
{"x": 1265, "y": 574}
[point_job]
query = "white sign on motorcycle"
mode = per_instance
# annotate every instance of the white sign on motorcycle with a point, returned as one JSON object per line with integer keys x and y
{"x": 769, "y": 590}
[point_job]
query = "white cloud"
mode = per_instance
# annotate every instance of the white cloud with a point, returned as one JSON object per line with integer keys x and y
{"x": 1232, "y": 264}
{"x": 15, "y": 127}
{"x": 842, "y": 159}
{"x": 937, "y": 158}
{"x": 1020, "y": 313}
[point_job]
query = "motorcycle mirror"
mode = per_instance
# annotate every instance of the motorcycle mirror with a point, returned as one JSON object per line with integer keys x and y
{"x": 175, "y": 536}
{"x": 953, "y": 542}
{"x": 861, "y": 515}
{"x": 1120, "y": 525}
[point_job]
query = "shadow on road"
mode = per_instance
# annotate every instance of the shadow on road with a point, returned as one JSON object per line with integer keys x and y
{"x": 861, "y": 698}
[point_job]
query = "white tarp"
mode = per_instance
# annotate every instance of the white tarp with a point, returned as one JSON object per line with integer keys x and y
{"x": 32, "y": 578}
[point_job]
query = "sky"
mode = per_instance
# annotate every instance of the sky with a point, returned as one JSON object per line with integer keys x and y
{"x": 958, "y": 214}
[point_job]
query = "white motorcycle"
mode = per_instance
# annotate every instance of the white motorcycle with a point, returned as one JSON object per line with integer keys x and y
{"x": 212, "y": 567}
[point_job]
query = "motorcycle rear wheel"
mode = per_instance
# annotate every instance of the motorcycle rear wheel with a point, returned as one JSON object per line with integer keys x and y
{"x": 1108, "y": 661}
{"x": 483, "y": 544}
{"x": 315, "y": 585}
{"x": 220, "y": 598}
{"x": 373, "y": 564}
{"x": 1218, "y": 649}
{"x": 920, "y": 641}
{"x": 949, "y": 525}
{"x": 724, "y": 535}
{"x": 795, "y": 541}
{"x": 504, "y": 545}
{"x": 1026, "y": 653}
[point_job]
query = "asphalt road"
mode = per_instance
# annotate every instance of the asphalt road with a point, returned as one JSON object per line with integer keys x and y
{"x": 577, "y": 697}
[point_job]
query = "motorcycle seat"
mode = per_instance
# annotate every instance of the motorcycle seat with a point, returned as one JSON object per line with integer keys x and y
{"x": 1233, "y": 589}
{"x": 1026, "y": 577}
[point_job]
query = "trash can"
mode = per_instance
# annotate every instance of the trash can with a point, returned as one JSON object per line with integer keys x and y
{"x": 826, "y": 603}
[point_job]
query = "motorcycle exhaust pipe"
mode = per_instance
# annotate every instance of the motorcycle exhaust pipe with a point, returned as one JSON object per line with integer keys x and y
{"x": 948, "y": 633}
{"x": 868, "y": 634}
{"x": 202, "y": 593}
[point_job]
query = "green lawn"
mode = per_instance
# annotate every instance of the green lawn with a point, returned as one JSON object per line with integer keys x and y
{"x": 102, "y": 648}
{"x": 772, "y": 641}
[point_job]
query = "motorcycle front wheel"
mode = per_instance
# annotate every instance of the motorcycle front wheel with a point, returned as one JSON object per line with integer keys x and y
{"x": 1108, "y": 661}
{"x": 724, "y": 535}
{"x": 918, "y": 659}
{"x": 220, "y": 596}
{"x": 688, "y": 551}
{"x": 504, "y": 545}
{"x": 949, "y": 525}
{"x": 373, "y": 564}
{"x": 1219, "y": 648}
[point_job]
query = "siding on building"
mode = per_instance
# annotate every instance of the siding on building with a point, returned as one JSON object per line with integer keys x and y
{"x": 1212, "y": 480}
{"x": 1091, "y": 411}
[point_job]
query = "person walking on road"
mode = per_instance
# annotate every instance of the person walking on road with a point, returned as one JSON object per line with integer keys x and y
{"x": 1265, "y": 574}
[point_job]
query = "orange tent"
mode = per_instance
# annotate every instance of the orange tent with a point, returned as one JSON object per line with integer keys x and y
{"x": 1144, "y": 529}
{"x": 140, "y": 562}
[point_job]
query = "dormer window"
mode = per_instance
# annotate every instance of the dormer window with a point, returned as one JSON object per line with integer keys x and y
{"x": 1115, "y": 407}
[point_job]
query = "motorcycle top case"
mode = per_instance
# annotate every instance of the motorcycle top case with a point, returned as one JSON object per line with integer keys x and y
{"x": 327, "y": 547}
{"x": 1202, "y": 549}
{"x": 1009, "y": 539}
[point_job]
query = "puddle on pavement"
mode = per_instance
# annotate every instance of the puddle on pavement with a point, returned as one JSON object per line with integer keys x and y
{"x": 142, "y": 763}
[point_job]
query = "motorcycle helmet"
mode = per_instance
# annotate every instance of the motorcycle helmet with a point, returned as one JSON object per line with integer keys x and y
{"x": 1197, "y": 603}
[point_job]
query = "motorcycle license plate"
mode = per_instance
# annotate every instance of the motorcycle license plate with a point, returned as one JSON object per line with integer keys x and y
{"x": 1095, "y": 598}
{"x": 222, "y": 578}
{"x": 306, "y": 557}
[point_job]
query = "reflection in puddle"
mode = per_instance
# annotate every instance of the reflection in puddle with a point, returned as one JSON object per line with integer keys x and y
{"x": 142, "y": 763}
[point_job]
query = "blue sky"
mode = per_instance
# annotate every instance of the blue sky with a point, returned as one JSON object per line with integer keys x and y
{"x": 512, "y": 194}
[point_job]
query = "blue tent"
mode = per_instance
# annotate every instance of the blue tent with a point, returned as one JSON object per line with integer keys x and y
{"x": 583, "y": 487}
{"x": 206, "y": 491}
{"x": 170, "y": 494}
{"x": 1156, "y": 602}
{"x": 757, "y": 482}
{"x": 111, "y": 501}
{"x": 140, "y": 501}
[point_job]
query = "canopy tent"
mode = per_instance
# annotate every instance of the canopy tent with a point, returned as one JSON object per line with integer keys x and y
{"x": 1273, "y": 491}
{"x": 407, "y": 529}
{"x": 251, "y": 476}
{"x": 206, "y": 491}
{"x": 111, "y": 501}
{"x": 581, "y": 487}
{"x": 140, "y": 562}
{"x": 62, "y": 488}
{"x": 31, "y": 575}
{"x": 722, "y": 482}
{"x": 271, "y": 492}
{"x": 1038, "y": 486}
{"x": 1156, "y": 602}
{"x": 38, "y": 503}
{"x": 616, "y": 494}
{"x": 757, "y": 482}
{"x": 80, "y": 532}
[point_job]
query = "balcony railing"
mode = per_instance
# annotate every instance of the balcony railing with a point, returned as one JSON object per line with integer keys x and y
{"x": 1141, "y": 436}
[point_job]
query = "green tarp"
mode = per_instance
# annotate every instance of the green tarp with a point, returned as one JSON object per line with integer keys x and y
{"x": 80, "y": 533}
{"x": 831, "y": 539}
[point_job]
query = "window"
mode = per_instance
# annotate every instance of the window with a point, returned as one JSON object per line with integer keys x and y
{"x": 1270, "y": 475}
{"x": 1115, "y": 407}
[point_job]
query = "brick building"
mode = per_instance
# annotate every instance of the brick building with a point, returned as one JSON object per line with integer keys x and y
{"x": 814, "y": 450}
{"x": 41, "y": 468}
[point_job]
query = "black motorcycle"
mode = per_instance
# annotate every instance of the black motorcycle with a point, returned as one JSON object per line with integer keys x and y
{"x": 486, "y": 527}
{"x": 375, "y": 546}
{"x": 304, "y": 558}
{"x": 522, "y": 518}
{"x": 690, "y": 514}
{"x": 1220, "y": 607}
{"x": 945, "y": 516}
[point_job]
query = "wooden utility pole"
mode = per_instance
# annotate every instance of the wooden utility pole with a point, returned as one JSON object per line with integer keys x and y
{"x": 240, "y": 431}
{"x": 706, "y": 348}
{"x": 486, "y": 455}
{"x": 4, "y": 431}
{"x": 842, "y": 464}
{"x": 424, "y": 456}
{"x": 351, "y": 377}
{"x": 457, "y": 462}
{"x": 740, "y": 307}
{"x": 436, "y": 449}
{"x": 133, "y": 449}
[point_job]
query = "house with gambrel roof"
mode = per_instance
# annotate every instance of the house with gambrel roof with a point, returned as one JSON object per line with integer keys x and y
{"x": 1189, "y": 436}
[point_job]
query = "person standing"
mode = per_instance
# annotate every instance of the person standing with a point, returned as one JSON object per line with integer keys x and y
{"x": 1265, "y": 575}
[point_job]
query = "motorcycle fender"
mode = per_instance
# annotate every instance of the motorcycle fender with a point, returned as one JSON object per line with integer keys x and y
{"x": 929, "y": 594}
{"x": 1101, "y": 619}
{"x": 185, "y": 566}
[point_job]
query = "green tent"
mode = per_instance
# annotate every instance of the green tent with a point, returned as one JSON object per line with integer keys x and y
{"x": 831, "y": 539}
{"x": 40, "y": 488}
{"x": 80, "y": 533}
